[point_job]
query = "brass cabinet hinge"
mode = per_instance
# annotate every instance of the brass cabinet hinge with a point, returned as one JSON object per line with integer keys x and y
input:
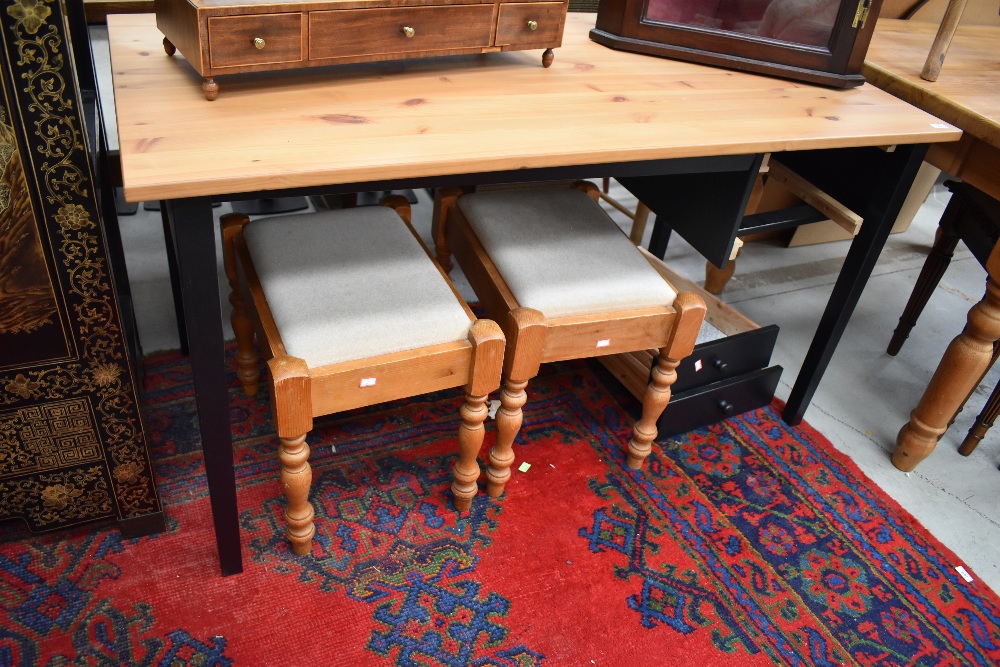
{"x": 861, "y": 15}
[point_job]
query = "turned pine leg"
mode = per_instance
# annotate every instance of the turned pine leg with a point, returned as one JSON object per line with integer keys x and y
{"x": 292, "y": 408}
{"x": 509, "y": 418}
{"x": 484, "y": 376}
{"x": 470, "y": 439}
{"x": 247, "y": 369}
{"x": 525, "y": 332}
{"x": 956, "y": 376}
{"x": 690, "y": 313}
{"x": 296, "y": 480}
{"x": 654, "y": 402}
{"x": 444, "y": 200}
{"x": 996, "y": 354}
{"x": 930, "y": 275}
{"x": 716, "y": 278}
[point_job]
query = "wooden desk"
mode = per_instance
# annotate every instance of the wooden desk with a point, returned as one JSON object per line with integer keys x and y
{"x": 465, "y": 120}
{"x": 966, "y": 94}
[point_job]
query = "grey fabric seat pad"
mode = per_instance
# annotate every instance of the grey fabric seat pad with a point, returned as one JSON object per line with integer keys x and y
{"x": 349, "y": 284}
{"x": 560, "y": 253}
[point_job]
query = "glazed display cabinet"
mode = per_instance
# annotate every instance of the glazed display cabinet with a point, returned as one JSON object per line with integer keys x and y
{"x": 817, "y": 41}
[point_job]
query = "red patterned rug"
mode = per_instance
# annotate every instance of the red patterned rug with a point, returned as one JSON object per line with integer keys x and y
{"x": 747, "y": 543}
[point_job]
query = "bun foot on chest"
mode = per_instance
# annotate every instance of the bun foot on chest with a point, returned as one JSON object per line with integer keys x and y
{"x": 211, "y": 89}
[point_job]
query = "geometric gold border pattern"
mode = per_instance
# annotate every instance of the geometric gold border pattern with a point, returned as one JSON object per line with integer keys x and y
{"x": 40, "y": 86}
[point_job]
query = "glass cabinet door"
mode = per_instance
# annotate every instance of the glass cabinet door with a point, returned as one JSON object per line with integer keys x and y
{"x": 820, "y": 41}
{"x": 806, "y": 22}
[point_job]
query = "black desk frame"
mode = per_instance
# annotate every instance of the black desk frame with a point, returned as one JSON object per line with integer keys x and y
{"x": 194, "y": 231}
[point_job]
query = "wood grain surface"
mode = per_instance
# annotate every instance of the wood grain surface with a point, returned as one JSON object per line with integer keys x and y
{"x": 967, "y": 91}
{"x": 464, "y": 114}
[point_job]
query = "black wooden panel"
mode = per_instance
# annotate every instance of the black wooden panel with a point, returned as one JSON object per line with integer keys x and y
{"x": 705, "y": 208}
{"x": 772, "y": 221}
{"x": 846, "y": 174}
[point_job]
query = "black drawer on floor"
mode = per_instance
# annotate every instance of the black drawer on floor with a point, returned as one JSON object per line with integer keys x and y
{"x": 711, "y": 403}
{"x": 726, "y": 357}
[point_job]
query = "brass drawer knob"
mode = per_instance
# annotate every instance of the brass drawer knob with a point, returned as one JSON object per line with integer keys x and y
{"x": 409, "y": 32}
{"x": 258, "y": 42}
{"x": 532, "y": 25}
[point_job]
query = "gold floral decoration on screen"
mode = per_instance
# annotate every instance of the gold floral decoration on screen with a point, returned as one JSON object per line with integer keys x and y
{"x": 38, "y": 59}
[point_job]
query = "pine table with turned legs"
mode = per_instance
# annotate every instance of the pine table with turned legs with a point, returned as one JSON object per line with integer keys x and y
{"x": 959, "y": 372}
{"x": 966, "y": 92}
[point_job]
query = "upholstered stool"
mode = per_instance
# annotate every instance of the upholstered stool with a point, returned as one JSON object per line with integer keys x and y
{"x": 564, "y": 282}
{"x": 351, "y": 310}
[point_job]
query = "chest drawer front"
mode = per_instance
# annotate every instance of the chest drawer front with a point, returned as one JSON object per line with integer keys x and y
{"x": 231, "y": 39}
{"x": 360, "y": 32}
{"x": 702, "y": 406}
{"x": 727, "y": 357}
{"x": 514, "y": 24}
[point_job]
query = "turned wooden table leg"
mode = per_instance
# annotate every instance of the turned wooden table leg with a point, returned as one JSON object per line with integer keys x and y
{"x": 961, "y": 367}
{"x": 996, "y": 353}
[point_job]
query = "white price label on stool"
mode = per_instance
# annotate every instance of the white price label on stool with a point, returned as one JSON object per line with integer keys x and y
{"x": 368, "y": 382}
{"x": 604, "y": 342}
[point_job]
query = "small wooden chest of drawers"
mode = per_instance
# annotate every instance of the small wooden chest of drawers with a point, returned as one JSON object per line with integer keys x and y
{"x": 229, "y": 37}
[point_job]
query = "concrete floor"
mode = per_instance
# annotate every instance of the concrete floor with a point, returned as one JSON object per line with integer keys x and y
{"x": 865, "y": 395}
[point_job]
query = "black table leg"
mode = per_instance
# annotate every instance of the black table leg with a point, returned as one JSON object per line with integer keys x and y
{"x": 888, "y": 191}
{"x": 175, "y": 285}
{"x": 931, "y": 272}
{"x": 194, "y": 235}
